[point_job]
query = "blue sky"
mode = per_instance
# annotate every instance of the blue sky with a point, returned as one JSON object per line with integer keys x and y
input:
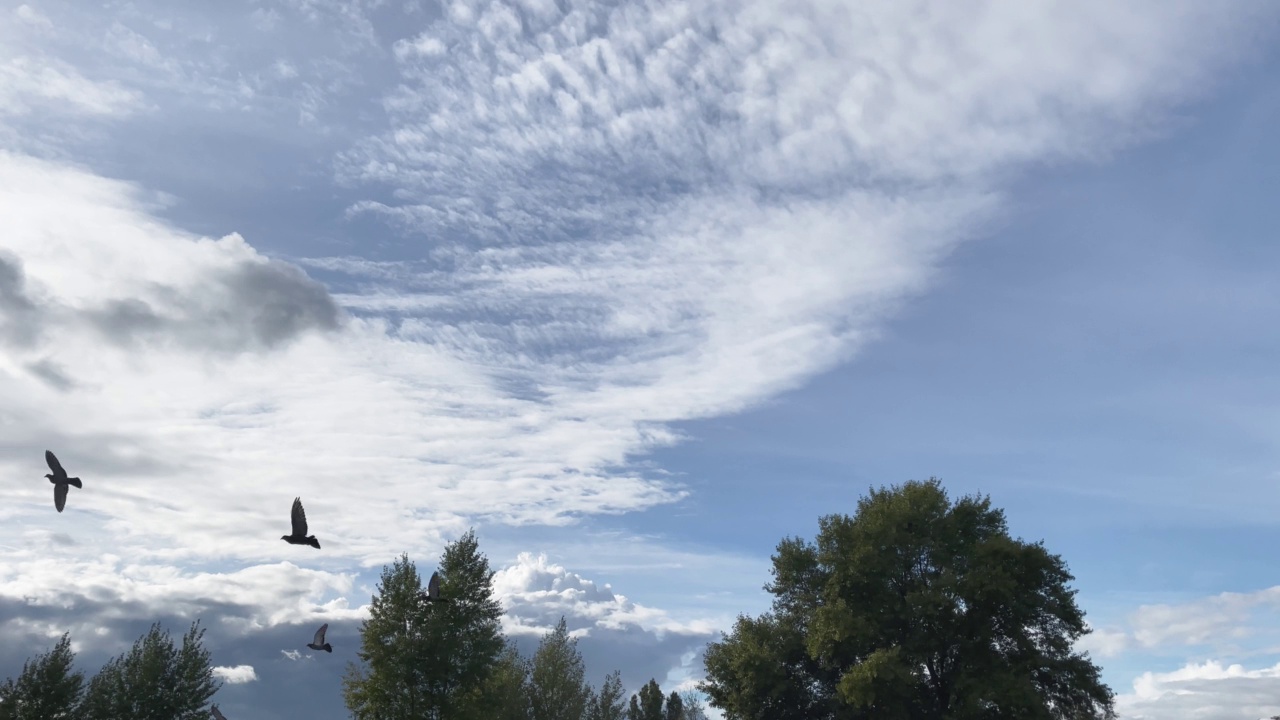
{"x": 636, "y": 291}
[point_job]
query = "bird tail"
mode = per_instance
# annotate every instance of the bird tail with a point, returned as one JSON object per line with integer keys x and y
{"x": 313, "y": 542}
{"x": 75, "y": 481}
{"x": 328, "y": 648}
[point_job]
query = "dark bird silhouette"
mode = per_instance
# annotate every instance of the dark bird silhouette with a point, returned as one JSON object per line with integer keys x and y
{"x": 432, "y": 593}
{"x": 299, "y": 536}
{"x": 318, "y": 643}
{"x": 59, "y": 479}
{"x": 217, "y": 714}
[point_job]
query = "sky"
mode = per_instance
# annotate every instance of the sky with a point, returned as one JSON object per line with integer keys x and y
{"x": 636, "y": 290}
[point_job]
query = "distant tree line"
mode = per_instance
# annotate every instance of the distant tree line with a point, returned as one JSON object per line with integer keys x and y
{"x": 449, "y": 659}
{"x": 155, "y": 680}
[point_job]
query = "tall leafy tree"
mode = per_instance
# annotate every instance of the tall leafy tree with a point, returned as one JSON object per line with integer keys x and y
{"x": 155, "y": 680}
{"x": 915, "y": 607}
{"x": 557, "y": 688}
{"x": 48, "y": 688}
{"x": 428, "y": 660}
{"x": 647, "y": 704}
{"x": 607, "y": 704}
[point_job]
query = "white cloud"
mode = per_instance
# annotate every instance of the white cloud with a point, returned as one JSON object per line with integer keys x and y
{"x": 237, "y": 675}
{"x": 1104, "y": 643}
{"x": 535, "y": 593}
{"x": 613, "y": 632}
{"x": 26, "y": 83}
{"x": 31, "y": 16}
{"x": 1203, "y": 691}
{"x": 1227, "y": 618}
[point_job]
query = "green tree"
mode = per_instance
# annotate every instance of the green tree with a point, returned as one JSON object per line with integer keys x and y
{"x": 675, "y": 707}
{"x": 47, "y": 689}
{"x": 915, "y": 607}
{"x": 428, "y": 660}
{"x": 155, "y": 680}
{"x": 557, "y": 689}
{"x": 504, "y": 695}
{"x": 647, "y": 704}
{"x": 607, "y": 704}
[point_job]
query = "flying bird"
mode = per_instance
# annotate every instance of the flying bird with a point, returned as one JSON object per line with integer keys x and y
{"x": 318, "y": 643}
{"x": 299, "y": 536}
{"x": 59, "y": 479}
{"x": 432, "y": 593}
{"x": 217, "y": 714}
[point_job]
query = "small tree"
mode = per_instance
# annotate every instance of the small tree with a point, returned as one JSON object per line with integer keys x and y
{"x": 557, "y": 689}
{"x": 608, "y": 703}
{"x": 693, "y": 708}
{"x": 47, "y": 689}
{"x": 915, "y": 607}
{"x": 647, "y": 704}
{"x": 675, "y": 707}
{"x": 154, "y": 681}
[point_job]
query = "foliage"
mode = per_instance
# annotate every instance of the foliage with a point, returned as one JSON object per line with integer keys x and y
{"x": 607, "y": 704}
{"x": 47, "y": 689}
{"x": 647, "y": 704}
{"x": 155, "y": 680}
{"x": 915, "y": 607}
{"x": 675, "y": 707}
{"x": 693, "y": 708}
{"x": 428, "y": 660}
{"x": 557, "y": 690}
{"x": 505, "y": 696}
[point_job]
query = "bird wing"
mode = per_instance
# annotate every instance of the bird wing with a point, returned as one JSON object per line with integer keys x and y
{"x": 54, "y": 465}
{"x": 59, "y": 495}
{"x": 299, "y": 519}
{"x": 217, "y": 714}
{"x": 319, "y": 638}
{"x": 433, "y": 586}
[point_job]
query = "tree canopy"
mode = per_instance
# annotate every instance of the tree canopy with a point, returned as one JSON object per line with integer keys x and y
{"x": 915, "y": 607}
{"x": 428, "y": 660}
{"x": 155, "y": 680}
{"x": 557, "y": 688}
{"x": 48, "y": 688}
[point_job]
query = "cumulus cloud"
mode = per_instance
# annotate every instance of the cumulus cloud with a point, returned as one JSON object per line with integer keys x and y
{"x": 613, "y": 632}
{"x": 1203, "y": 691}
{"x": 237, "y": 675}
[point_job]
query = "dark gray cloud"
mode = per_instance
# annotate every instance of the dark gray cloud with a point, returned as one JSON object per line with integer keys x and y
{"x": 52, "y": 374}
{"x": 252, "y": 306}
{"x": 19, "y": 314}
